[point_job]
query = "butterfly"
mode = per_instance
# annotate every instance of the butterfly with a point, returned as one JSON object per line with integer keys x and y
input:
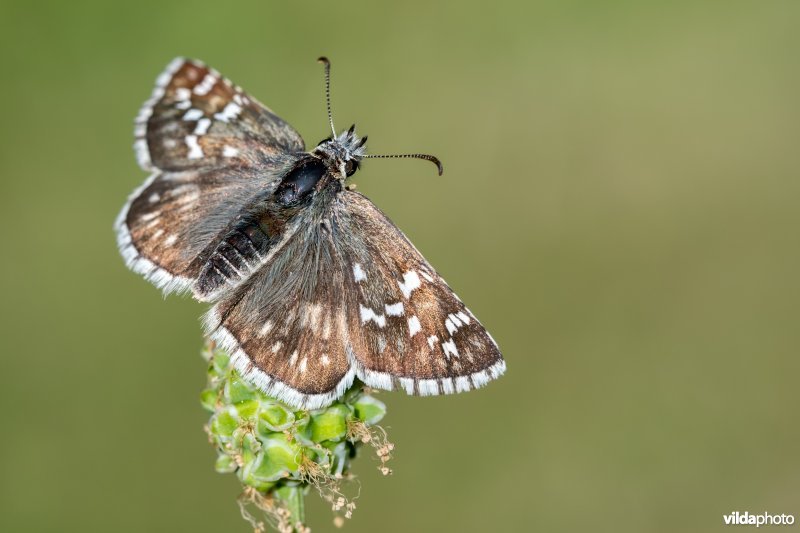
{"x": 312, "y": 286}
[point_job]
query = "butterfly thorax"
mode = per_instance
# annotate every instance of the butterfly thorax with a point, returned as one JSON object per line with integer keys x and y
{"x": 323, "y": 169}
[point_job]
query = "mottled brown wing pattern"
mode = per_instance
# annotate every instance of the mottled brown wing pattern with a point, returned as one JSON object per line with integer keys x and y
{"x": 314, "y": 285}
{"x": 408, "y": 330}
{"x": 350, "y": 296}
{"x": 171, "y": 225}
{"x": 197, "y": 118}
{"x": 213, "y": 151}
{"x": 286, "y": 327}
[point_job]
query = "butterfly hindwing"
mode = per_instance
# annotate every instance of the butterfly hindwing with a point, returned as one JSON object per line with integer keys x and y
{"x": 286, "y": 326}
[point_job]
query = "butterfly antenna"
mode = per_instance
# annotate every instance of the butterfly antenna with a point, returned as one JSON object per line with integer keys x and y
{"x": 427, "y": 157}
{"x": 324, "y": 61}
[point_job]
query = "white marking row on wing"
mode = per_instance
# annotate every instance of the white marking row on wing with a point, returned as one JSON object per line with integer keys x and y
{"x": 195, "y": 152}
{"x": 414, "y": 326}
{"x": 409, "y": 283}
{"x": 394, "y": 309}
{"x": 358, "y": 273}
{"x": 230, "y": 111}
{"x": 269, "y": 385}
{"x": 433, "y": 386}
{"x": 368, "y": 314}
{"x": 205, "y": 86}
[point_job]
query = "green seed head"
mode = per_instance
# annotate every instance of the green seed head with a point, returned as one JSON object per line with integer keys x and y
{"x": 278, "y": 452}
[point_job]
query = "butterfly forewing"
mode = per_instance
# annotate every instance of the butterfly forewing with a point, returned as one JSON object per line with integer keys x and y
{"x": 197, "y": 118}
{"x": 407, "y": 327}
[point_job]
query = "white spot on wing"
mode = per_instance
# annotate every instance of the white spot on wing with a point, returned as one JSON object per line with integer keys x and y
{"x": 368, "y": 314}
{"x": 414, "y": 326}
{"x": 231, "y": 111}
{"x": 358, "y": 273}
{"x": 265, "y": 328}
{"x": 192, "y": 114}
{"x": 172, "y": 239}
{"x": 202, "y": 126}
{"x": 154, "y": 198}
{"x": 326, "y": 328}
{"x": 325, "y": 360}
{"x": 431, "y": 340}
{"x": 311, "y": 318}
{"x": 395, "y": 309}
{"x": 195, "y": 152}
{"x": 409, "y": 283}
{"x": 304, "y": 364}
{"x": 229, "y": 151}
{"x": 182, "y": 93}
{"x": 449, "y": 347}
{"x": 463, "y": 316}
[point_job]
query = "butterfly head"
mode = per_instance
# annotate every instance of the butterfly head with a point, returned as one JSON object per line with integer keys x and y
{"x": 342, "y": 154}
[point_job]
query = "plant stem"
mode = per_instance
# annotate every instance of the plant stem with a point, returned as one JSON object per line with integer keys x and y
{"x": 292, "y": 498}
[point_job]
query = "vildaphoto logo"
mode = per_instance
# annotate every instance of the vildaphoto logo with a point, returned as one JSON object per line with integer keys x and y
{"x": 746, "y": 519}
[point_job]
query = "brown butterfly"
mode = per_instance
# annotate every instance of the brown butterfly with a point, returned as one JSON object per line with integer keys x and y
{"x": 312, "y": 285}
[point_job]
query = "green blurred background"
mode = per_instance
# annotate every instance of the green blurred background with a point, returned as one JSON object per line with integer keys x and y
{"x": 619, "y": 207}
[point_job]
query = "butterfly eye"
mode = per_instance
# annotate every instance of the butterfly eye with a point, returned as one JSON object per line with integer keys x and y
{"x": 350, "y": 167}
